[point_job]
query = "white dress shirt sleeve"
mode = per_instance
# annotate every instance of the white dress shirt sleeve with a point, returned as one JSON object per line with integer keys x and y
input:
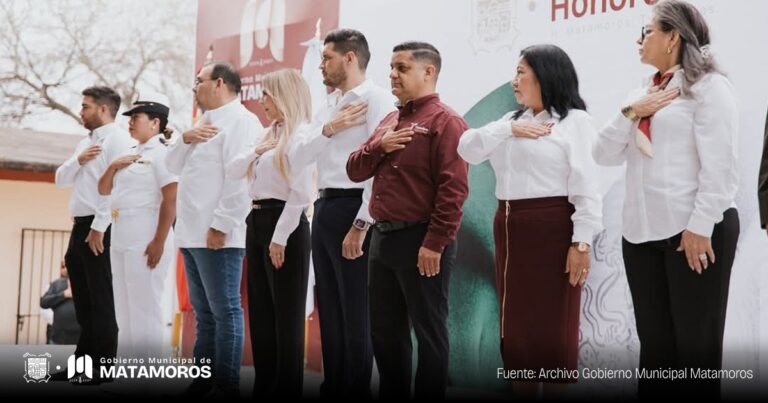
{"x": 238, "y": 167}
{"x": 298, "y": 198}
{"x": 610, "y": 149}
{"x": 715, "y": 127}
{"x": 232, "y": 207}
{"x": 177, "y": 155}
{"x": 583, "y": 179}
{"x": 477, "y": 145}
{"x": 308, "y": 145}
{"x": 379, "y": 106}
{"x": 66, "y": 173}
{"x": 616, "y": 136}
{"x": 114, "y": 147}
{"x": 162, "y": 174}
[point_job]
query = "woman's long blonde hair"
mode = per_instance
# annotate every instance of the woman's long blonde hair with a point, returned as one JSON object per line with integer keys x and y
{"x": 290, "y": 94}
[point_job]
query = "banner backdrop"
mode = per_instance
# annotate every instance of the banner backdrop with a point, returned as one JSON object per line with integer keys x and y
{"x": 480, "y": 41}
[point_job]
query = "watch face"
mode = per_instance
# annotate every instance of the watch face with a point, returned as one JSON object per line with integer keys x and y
{"x": 359, "y": 224}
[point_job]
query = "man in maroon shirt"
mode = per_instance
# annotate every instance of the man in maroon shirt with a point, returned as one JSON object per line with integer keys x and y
{"x": 419, "y": 186}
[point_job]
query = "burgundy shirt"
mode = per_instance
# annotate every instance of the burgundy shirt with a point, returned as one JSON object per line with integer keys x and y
{"x": 427, "y": 180}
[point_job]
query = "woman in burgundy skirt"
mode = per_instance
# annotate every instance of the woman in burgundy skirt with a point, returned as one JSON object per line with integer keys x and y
{"x": 549, "y": 212}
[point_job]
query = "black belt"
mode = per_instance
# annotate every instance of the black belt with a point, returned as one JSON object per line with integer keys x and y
{"x": 389, "y": 226}
{"x": 267, "y": 203}
{"x": 331, "y": 193}
{"x": 83, "y": 219}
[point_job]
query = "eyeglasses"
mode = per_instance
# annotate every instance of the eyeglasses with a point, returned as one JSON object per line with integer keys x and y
{"x": 199, "y": 81}
{"x": 644, "y": 31}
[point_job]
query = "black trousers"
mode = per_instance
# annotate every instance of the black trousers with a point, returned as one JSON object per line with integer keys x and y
{"x": 680, "y": 314}
{"x": 401, "y": 297}
{"x": 342, "y": 299}
{"x": 91, "y": 279}
{"x": 276, "y": 305}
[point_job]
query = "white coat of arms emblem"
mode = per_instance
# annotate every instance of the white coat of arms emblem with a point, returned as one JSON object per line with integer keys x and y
{"x": 37, "y": 367}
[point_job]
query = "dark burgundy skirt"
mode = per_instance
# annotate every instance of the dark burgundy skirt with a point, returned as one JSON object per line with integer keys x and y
{"x": 539, "y": 308}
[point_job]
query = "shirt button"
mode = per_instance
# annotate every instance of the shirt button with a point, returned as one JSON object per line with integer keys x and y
{"x": 377, "y": 197}
{"x": 394, "y": 166}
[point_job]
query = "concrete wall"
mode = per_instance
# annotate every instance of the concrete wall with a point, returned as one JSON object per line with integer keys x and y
{"x": 37, "y": 205}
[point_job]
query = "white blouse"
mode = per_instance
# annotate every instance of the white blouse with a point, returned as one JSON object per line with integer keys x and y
{"x": 266, "y": 182}
{"x": 559, "y": 164}
{"x": 691, "y": 179}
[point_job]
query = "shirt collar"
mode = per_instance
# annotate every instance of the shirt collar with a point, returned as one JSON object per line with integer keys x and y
{"x": 98, "y": 134}
{"x": 224, "y": 110}
{"x": 542, "y": 116}
{"x": 413, "y": 105}
{"x": 359, "y": 92}
{"x": 677, "y": 77}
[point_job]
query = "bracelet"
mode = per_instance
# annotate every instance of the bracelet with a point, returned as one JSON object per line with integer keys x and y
{"x": 331, "y": 129}
{"x": 629, "y": 113}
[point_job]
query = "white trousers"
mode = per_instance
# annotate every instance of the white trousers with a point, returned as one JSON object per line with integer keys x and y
{"x": 138, "y": 290}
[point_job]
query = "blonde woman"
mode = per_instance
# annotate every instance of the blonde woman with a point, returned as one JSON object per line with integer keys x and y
{"x": 277, "y": 240}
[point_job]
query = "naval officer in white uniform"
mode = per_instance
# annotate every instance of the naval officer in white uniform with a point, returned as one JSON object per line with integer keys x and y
{"x": 143, "y": 209}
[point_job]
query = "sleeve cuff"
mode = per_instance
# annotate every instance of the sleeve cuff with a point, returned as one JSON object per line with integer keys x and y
{"x": 279, "y": 238}
{"x": 701, "y": 226}
{"x": 100, "y": 223}
{"x": 222, "y": 224}
{"x": 364, "y": 214}
{"x": 582, "y": 233}
{"x": 434, "y": 244}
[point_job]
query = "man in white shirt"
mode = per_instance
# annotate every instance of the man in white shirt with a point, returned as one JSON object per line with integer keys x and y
{"x": 87, "y": 256}
{"x": 210, "y": 223}
{"x": 341, "y": 218}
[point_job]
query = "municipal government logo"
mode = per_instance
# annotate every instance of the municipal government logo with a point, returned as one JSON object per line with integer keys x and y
{"x": 37, "y": 367}
{"x": 80, "y": 367}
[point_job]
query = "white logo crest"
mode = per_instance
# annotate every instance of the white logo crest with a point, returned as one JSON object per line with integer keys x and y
{"x": 37, "y": 367}
{"x": 493, "y": 25}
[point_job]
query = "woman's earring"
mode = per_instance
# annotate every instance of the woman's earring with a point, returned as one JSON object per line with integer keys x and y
{"x": 669, "y": 50}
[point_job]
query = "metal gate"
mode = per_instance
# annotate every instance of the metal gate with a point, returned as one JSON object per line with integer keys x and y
{"x": 42, "y": 251}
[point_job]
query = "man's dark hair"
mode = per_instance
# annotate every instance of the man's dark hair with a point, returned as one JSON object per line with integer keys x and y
{"x": 350, "y": 40}
{"x": 104, "y": 96}
{"x": 557, "y": 78}
{"x": 228, "y": 74}
{"x": 421, "y": 51}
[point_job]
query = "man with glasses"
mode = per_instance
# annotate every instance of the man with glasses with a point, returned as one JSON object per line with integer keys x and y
{"x": 210, "y": 223}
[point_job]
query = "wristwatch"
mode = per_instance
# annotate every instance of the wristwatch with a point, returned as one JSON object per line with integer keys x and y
{"x": 630, "y": 113}
{"x": 361, "y": 224}
{"x": 582, "y": 247}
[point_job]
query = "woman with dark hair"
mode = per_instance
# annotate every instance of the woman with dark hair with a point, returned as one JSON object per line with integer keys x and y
{"x": 143, "y": 209}
{"x": 549, "y": 213}
{"x": 680, "y": 226}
